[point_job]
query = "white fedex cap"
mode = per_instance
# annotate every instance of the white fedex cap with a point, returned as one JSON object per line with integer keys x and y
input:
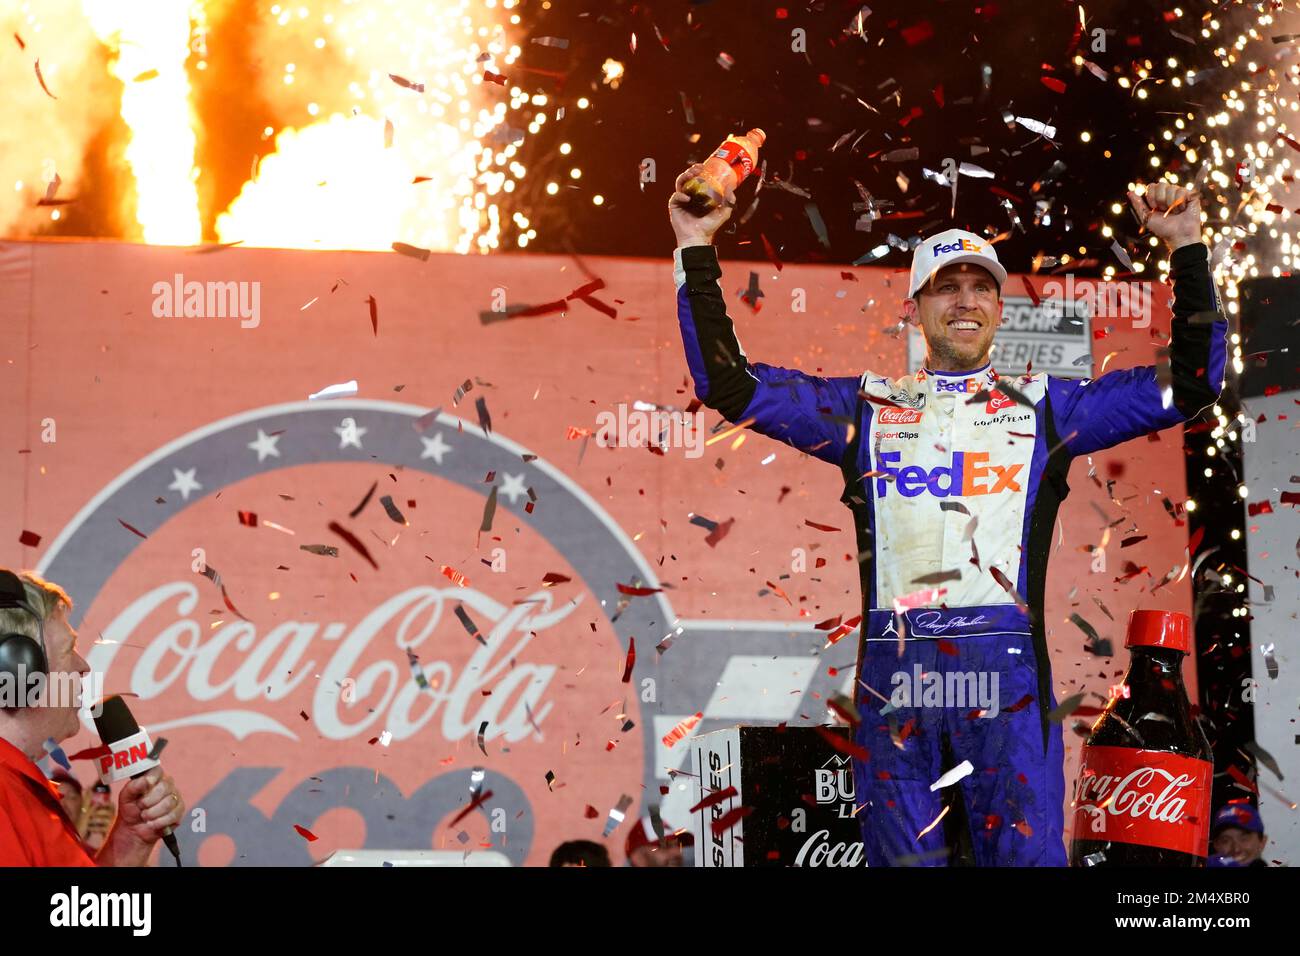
{"x": 946, "y": 248}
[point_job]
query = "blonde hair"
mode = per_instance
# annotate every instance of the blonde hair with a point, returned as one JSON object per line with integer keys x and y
{"x": 44, "y": 597}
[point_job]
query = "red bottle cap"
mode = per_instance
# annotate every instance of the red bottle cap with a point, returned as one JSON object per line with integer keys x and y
{"x": 1171, "y": 629}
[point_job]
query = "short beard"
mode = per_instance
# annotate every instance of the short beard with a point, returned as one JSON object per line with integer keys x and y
{"x": 945, "y": 354}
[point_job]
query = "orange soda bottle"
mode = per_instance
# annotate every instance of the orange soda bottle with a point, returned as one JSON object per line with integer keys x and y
{"x": 724, "y": 171}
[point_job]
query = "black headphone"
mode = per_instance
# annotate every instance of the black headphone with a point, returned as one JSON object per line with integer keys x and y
{"x": 20, "y": 654}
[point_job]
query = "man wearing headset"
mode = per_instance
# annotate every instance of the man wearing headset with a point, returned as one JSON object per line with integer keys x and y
{"x": 36, "y": 637}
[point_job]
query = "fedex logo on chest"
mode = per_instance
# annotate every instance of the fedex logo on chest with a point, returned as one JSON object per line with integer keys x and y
{"x": 969, "y": 474}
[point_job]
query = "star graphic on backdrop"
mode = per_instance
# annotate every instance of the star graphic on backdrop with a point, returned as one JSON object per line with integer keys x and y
{"x": 514, "y": 487}
{"x": 265, "y": 445}
{"x": 349, "y": 433}
{"x": 184, "y": 482}
{"x": 434, "y": 448}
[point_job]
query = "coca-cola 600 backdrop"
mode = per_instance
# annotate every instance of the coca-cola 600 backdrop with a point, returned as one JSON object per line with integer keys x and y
{"x": 261, "y": 568}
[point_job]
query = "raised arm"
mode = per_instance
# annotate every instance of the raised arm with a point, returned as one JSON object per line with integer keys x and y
{"x": 1127, "y": 403}
{"x": 810, "y": 413}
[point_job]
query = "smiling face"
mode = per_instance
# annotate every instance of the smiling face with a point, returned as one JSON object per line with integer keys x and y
{"x": 958, "y": 311}
{"x": 1242, "y": 845}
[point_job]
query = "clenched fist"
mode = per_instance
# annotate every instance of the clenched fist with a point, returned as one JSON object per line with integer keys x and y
{"x": 1169, "y": 212}
{"x": 692, "y": 229}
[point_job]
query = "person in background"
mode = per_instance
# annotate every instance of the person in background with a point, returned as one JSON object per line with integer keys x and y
{"x": 71, "y": 797}
{"x": 580, "y": 853}
{"x": 1237, "y": 835}
{"x": 644, "y": 849}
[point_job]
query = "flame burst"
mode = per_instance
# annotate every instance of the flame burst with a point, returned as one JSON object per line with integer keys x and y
{"x": 349, "y": 179}
{"x": 151, "y": 42}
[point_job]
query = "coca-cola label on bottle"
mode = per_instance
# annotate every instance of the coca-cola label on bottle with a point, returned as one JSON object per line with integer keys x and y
{"x": 1145, "y": 797}
{"x": 737, "y": 157}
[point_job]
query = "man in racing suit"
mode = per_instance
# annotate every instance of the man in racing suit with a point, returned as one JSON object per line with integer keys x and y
{"x": 954, "y": 477}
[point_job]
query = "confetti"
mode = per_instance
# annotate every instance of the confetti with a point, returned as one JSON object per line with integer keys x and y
{"x": 959, "y": 772}
{"x": 133, "y": 530}
{"x": 57, "y": 755}
{"x": 40, "y": 79}
{"x": 335, "y": 391}
{"x": 417, "y": 671}
{"x": 1065, "y": 708}
{"x": 714, "y": 798}
{"x": 469, "y": 625}
{"x": 730, "y": 819}
{"x": 617, "y": 814}
{"x": 404, "y": 82}
{"x": 631, "y": 660}
{"x": 306, "y": 834}
{"x": 354, "y": 541}
{"x": 632, "y": 591}
{"x": 474, "y": 804}
{"x": 482, "y": 730}
{"x": 29, "y": 539}
{"x": 392, "y": 510}
{"x": 681, "y": 730}
{"x": 326, "y": 550}
{"x": 415, "y": 252}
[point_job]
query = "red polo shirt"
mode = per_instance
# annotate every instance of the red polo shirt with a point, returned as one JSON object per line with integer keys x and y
{"x": 34, "y": 830}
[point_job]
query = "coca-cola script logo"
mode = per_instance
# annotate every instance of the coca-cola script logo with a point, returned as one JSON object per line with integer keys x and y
{"x": 1161, "y": 799}
{"x": 263, "y": 583}
{"x": 898, "y": 416}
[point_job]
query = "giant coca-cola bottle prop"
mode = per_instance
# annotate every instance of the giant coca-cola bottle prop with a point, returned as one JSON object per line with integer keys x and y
{"x": 1143, "y": 793}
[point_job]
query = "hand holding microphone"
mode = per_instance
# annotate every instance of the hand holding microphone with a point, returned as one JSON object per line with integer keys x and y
{"x": 150, "y": 806}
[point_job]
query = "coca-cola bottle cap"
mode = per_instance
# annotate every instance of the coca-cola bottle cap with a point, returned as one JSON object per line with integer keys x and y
{"x": 1171, "y": 629}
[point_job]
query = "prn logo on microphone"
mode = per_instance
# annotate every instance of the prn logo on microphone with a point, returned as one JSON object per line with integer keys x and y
{"x": 126, "y": 758}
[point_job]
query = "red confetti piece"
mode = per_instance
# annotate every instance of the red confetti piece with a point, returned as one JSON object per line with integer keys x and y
{"x": 306, "y": 834}
{"x": 473, "y": 805}
{"x": 248, "y": 519}
{"x": 631, "y": 659}
{"x": 1053, "y": 84}
{"x": 947, "y": 647}
{"x": 1021, "y": 704}
{"x": 844, "y": 745}
{"x": 681, "y": 730}
{"x": 918, "y": 33}
{"x": 1024, "y": 828}
{"x": 551, "y": 577}
{"x": 40, "y": 79}
{"x": 354, "y": 541}
{"x": 231, "y": 607}
{"x": 1236, "y": 774}
{"x": 714, "y": 798}
{"x": 1291, "y": 497}
{"x": 771, "y": 251}
{"x": 1271, "y": 390}
{"x": 848, "y": 277}
{"x": 374, "y": 313}
{"x": 1133, "y": 539}
{"x": 1264, "y": 507}
{"x": 91, "y": 753}
{"x": 844, "y": 630}
{"x": 1195, "y": 542}
{"x": 1007, "y": 586}
{"x": 1289, "y": 141}
{"x": 133, "y": 530}
{"x": 819, "y": 527}
{"x": 636, "y": 592}
{"x": 779, "y": 592}
{"x": 454, "y": 576}
{"x": 29, "y": 539}
{"x": 718, "y": 533}
{"x": 1029, "y": 288}
{"x": 490, "y": 77}
{"x": 591, "y": 813}
{"x": 938, "y": 95}
{"x": 730, "y": 819}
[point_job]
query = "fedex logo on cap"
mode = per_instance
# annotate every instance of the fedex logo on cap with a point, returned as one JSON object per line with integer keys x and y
{"x": 961, "y": 245}
{"x": 969, "y": 474}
